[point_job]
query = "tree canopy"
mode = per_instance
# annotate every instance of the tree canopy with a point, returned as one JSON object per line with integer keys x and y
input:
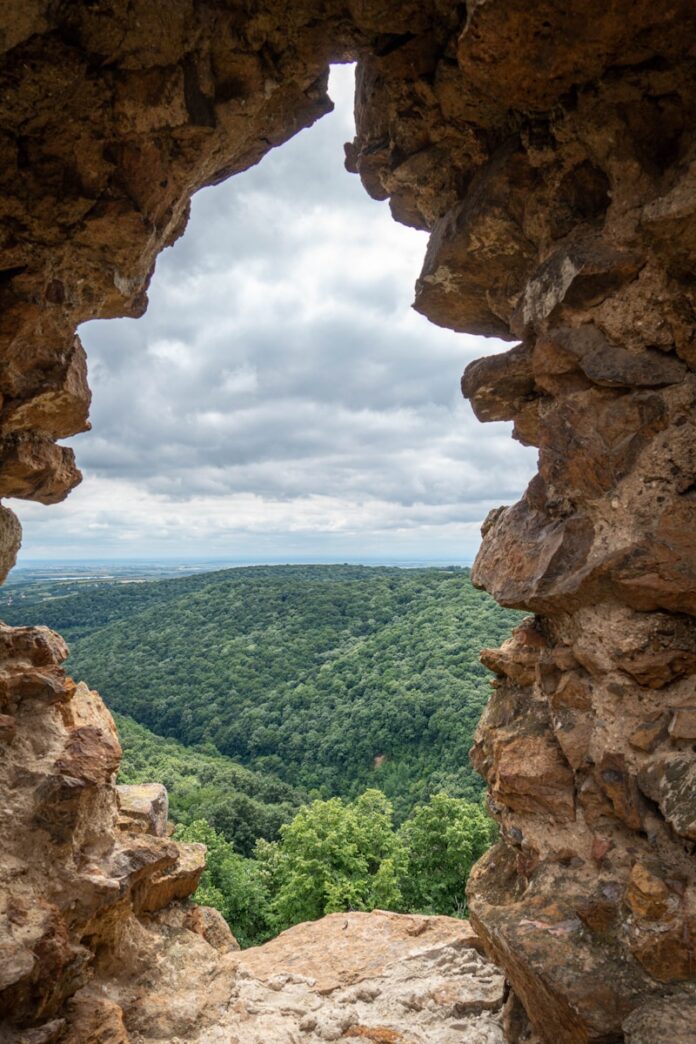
{"x": 332, "y": 679}
{"x": 337, "y": 855}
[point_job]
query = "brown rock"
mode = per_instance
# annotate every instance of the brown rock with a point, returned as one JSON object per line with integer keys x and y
{"x": 601, "y": 846}
{"x": 574, "y": 278}
{"x": 662, "y": 653}
{"x": 599, "y": 911}
{"x": 649, "y": 734}
{"x": 34, "y": 468}
{"x": 172, "y": 881}
{"x": 499, "y": 386}
{"x": 615, "y": 780}
{"x": 660, "y": 571}
{"x": 518, "y": 657}
{"x": 143, "y": 807}
{"x": 530, "y": 560}
{"x": 8, "y": 728}
{"x": 531, "y": 775}
{"x": 421, "y": 978}
{"x": 549, "y": 150}
{"x": 591, "y": 439}
{"x": 94, "y": 1019}
{"x": 662, "y": 1018}
{"x": 478, "y": 255}
{"x": 647, "y": 895}
{"x": 574, "y": 731}
{"x": 561, "y": 971}
{"x": 61, "y": 407}
{"x": 668, "y": 956}
{"x": 611, "y": 366}
{"x": 670, "y": 781}
{"x": 683, "y": 724}
{"x": 208, "y": 922}
{"x": 10, "y": 540}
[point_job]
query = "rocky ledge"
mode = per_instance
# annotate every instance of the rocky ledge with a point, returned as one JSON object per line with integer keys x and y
{"x": 382, "y": 977}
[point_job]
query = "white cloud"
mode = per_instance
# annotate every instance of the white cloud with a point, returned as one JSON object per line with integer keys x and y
{"x": 280, "y": 396}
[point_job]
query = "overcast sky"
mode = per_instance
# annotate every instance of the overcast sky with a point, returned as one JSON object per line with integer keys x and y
{"x": 280, "y": 399}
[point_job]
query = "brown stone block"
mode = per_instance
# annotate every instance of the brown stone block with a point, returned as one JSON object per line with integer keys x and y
{"x": 606, "y": 364}
{"x": 660, "y": 571}
{"x": 517, "y": 658}
{"x": 33, "y": 467}
{"x": 670, "y": 1019}
{"x": 573, "y": 279}
{"x": 648, "y": 895}
{"x": 614, "y": 778}
{"x": 670, "y": 781}
{"x": 669, "y": 956}
{"x": 682, "y": 727}
{"x": 590, "y": 441}
{"x": 531, "y": 776}
{"x": 499, "y": 386}
{"x": 143, "y": 808}
{"x": 478, "y": 256}
{"x": 178, "y": 880}
{"x": 10, "y": 540}
{"x": 568, "y": 977}
{"x": 60, "y": 407}
{"x": 600, "y": 910}
{"x": 531, "y": 560}
{"x": 573, "y": 731}
{"x": 91, "y": 755}
{"x": 663, "y": 656}
{"x": 649, "y": 734}
{"x": 8, "y": 728}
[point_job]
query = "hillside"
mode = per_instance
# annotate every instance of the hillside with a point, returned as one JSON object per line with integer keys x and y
{"x": 329, "y": 678}
{"x": 240, "y": 804}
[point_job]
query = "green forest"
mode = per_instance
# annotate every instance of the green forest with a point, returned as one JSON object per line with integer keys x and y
{"x": 288, "y": 709}
{"x": 339, "y": 855}
{"x": 329, "y": 678}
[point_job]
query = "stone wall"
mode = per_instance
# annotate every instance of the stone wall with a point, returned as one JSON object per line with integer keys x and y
{"x": 549, "y": 149}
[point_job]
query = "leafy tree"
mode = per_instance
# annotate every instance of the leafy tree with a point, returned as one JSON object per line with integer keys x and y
{"x": 232, "y": 884}
{"x": 338, "y": 855}
{"x": 442, "y": 841}
{"x": 268, "y": 687}
{"x": 334, "y": 856}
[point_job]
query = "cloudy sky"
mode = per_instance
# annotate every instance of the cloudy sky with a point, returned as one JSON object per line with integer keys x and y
{"x": 280, "y": 400}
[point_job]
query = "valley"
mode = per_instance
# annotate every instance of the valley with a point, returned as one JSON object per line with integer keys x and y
{"x": 311, "y": 723}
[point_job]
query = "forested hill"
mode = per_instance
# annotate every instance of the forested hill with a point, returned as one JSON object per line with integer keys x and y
{"x": 330, "y": 678}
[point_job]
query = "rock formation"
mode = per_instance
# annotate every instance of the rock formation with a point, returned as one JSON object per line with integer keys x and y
{"x": 381, "y": 977}
{"x": 549, "y": 149}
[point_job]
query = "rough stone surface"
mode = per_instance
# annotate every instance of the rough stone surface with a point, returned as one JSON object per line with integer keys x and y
{"x": 143, "y": 807}
{"x": 549, "y": 151}
{"x": 70, "y": 881}
{"x": 383, "y": 977}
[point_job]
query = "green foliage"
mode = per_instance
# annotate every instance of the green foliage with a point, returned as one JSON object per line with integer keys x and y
{"x": 232, "y": 884}
{"x": 330, "y": 678}
{"x": 357, "y": 687}
{"x": 442, "y": 841}
{"x": 240, "y": 804}
{"x": 337, "y": 855}
{"x": 334, "y": 856}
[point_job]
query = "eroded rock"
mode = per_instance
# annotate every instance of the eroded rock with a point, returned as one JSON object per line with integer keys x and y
{"x": 549, "y": 151}
{"x": 377, "y": 976}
